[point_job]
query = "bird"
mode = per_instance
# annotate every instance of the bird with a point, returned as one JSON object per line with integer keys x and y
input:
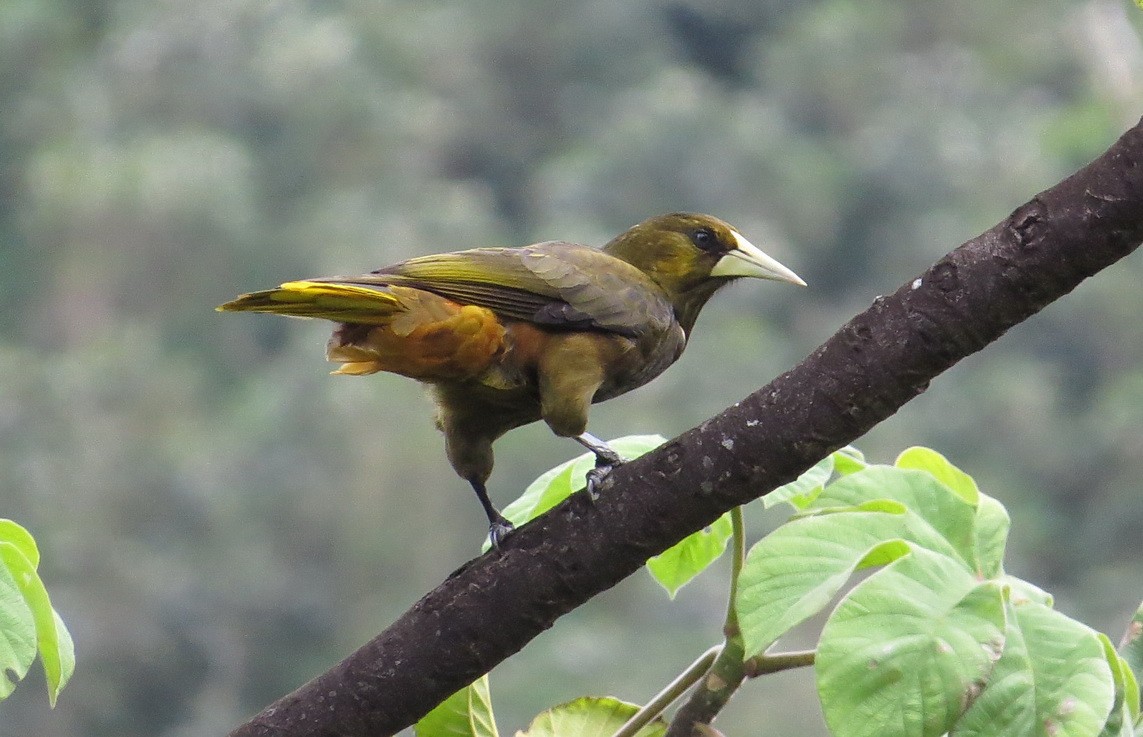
{"x": 504, "y": 337}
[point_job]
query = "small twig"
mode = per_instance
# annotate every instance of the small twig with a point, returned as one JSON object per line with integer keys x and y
{"x": 712, "y": 694}
{"x": 668, "y": 695}
{"x": 726, "y": 673}
{"x": 760, "y": 665}
{"x": 737, "y": 559}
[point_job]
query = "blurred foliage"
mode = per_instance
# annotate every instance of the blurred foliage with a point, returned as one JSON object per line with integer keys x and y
{"x": 221, "y": 520}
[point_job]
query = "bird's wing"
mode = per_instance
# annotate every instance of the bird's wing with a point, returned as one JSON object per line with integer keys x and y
{"x": 554, "y": 283}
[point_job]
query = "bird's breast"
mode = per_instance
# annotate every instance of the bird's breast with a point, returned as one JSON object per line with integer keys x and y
{"x": 646, "y": 357}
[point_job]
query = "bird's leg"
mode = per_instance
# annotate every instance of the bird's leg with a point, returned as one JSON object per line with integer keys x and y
{"x": 605, "y": 459}
{"x": 498, "y": 526}
{"x": 571, "y": 371}
{"x": 605, "y": 455}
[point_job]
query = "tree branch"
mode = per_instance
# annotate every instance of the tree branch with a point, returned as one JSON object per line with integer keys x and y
{"x": 496, "y": 604}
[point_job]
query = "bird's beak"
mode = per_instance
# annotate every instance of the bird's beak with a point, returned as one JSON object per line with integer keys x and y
{"x": 748, "y": 260}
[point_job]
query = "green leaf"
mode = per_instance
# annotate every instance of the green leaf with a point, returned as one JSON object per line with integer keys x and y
{"x": 1053, "y": 678}
{"x": 1007, "y": 704}
{"x": 64, "y": 655}
{"x": 1074, "y": 687}
{"x": 940, "y": 519}
{"x": 908, "y": 648}
{"x": 10, "y": 532}
{"x": 935, "y": 464}
{"x": 467, "y": 713}
{"x": 555, "y": 485}
{"x": 1022, "y": 592}
{"x": 551, "y": 488}
{"x": 17, "y": 627}
{"x": 1125, "y": 707}
{"x": 52, "y": 638}
{"x": 802, "y": 490}
{"x": 794, "y": 572}
{"x": 940, "y": 640}
{"x": 992, "y": 522}
{"x": 589, "y": 717}
{"x": 1050, "y": 666}
{"x": 990, "y": 537}
{"x": 677, "y": 565}
{"x": 1131, "y": 693}
{"x": 848, "y": 460}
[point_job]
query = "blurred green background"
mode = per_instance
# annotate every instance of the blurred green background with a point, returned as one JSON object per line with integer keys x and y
{"x": 221, "y": 520}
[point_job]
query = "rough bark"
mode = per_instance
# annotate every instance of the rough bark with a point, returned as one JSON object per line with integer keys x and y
{"x": 882, "y": 358}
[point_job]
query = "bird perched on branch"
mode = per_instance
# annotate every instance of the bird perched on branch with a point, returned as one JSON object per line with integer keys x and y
{"x": 507, "y": 336}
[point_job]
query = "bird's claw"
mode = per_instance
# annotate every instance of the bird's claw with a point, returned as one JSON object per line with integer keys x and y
{"x": 605, "y": 459}
{"x": 595, "y": 476}
{"x": 498, "y": 531}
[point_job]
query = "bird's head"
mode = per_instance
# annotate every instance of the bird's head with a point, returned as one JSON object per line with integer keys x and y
{"x": 691, "y": 255}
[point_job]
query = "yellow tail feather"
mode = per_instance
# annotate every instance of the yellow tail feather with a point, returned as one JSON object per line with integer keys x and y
{"x": 348, "y": 303}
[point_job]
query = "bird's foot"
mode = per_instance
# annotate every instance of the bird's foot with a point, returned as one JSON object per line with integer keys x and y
{"x": 498, "y": 530}
{"x": 605, "y": 460}
{"x": 594, "y": 478}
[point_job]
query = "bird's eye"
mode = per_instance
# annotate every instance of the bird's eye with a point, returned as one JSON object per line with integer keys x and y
{"x": 705, "y": 239}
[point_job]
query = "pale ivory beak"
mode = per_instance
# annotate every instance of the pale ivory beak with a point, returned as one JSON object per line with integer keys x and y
{"x": 748, "y": 260}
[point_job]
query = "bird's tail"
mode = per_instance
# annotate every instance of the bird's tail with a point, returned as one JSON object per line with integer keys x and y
{"x": 388, "y": 327}
{"x": 340, "y": 302}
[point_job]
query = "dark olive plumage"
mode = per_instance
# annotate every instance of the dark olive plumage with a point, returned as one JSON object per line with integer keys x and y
{"x": 507, "y": 336}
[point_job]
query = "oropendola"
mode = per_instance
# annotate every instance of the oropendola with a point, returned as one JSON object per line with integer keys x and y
{"x": 507, "y": 336}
